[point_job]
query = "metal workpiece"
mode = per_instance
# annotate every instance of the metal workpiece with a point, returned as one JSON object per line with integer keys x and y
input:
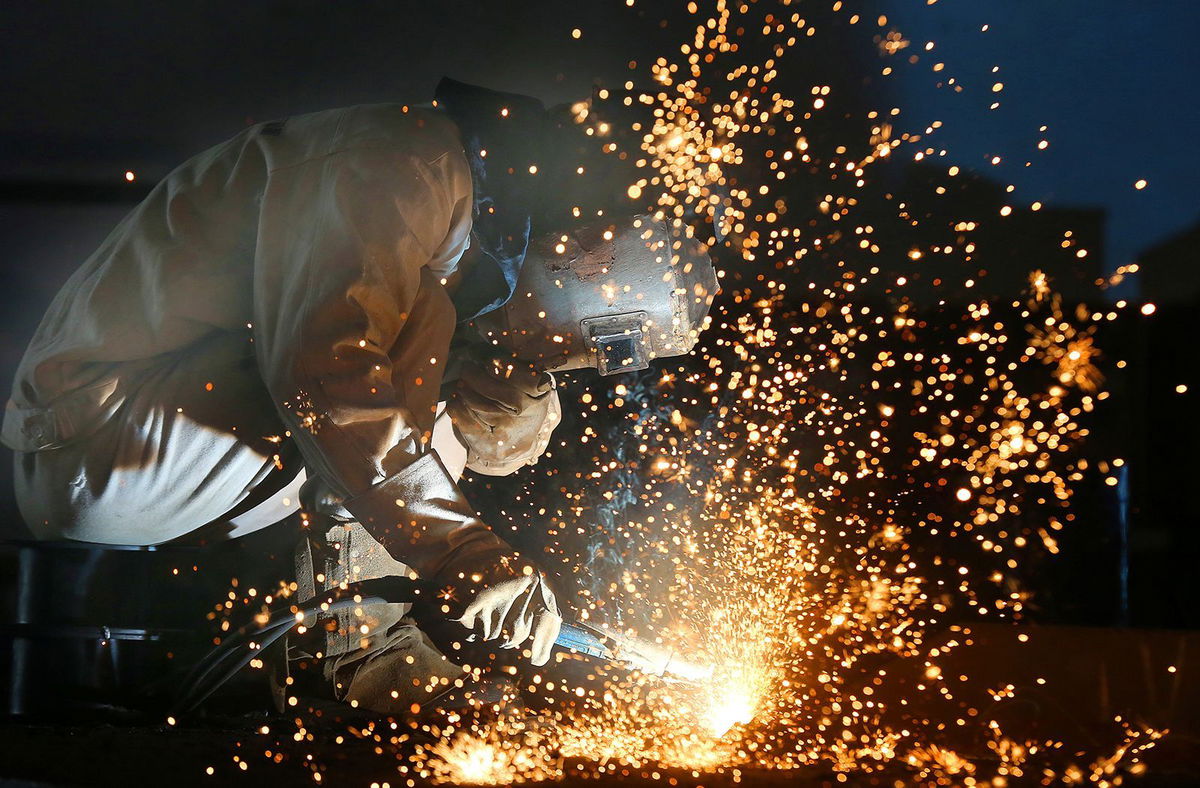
{"x": 613, "y": 294}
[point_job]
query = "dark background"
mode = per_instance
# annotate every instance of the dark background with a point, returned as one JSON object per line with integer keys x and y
{"x": 91, "y": 90}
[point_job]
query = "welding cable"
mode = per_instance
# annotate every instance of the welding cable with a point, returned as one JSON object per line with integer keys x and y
{"x": 241, "y": 647}
{"x": 235, "y": 651}
{"x": 232, "y": 658}
{"x": 281, "y": 620}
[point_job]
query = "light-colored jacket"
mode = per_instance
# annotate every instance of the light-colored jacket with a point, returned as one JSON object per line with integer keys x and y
{"x": 329, "y": 238}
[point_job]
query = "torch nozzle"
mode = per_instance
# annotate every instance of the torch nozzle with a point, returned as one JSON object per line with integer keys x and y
{"x": 637, "y": 653}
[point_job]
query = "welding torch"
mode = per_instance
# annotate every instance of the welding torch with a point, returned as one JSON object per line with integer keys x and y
{"x": 246, "y": 643}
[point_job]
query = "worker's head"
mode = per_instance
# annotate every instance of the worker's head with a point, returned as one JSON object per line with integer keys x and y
{"x": 611, "y": 294}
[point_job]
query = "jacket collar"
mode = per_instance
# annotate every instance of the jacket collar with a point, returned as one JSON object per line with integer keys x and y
{"x": 502, "y": 135}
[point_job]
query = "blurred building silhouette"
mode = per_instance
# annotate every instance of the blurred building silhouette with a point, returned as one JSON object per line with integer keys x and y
{"x": 1165, "y": 370}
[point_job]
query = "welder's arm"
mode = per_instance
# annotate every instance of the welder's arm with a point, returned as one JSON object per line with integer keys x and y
{"x": 352, "y": 331}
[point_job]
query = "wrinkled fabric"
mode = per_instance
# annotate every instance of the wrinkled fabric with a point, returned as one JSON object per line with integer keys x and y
{"x": 374, "y": 654}
{"x": 324, "y": 241}
{"x": 504, "y": 414}
{"x": 176, "y": 455}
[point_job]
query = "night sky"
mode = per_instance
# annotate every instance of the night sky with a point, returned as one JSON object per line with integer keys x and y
{"x": 1114, "y": 81}
{"x": 90, "y": 90}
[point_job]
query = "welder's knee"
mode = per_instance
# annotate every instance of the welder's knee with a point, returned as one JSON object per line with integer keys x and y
{"x": 376, "y": 656}
{"x": 405, "y": 670}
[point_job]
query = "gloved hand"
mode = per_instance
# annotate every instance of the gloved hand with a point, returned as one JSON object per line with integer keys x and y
{"x": 511, "y": 601}
{"x": 503, "y": 412}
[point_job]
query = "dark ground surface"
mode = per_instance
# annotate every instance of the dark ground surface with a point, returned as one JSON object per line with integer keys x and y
{"x": 106, "y": 755}
{"x": 1069, "y": 682}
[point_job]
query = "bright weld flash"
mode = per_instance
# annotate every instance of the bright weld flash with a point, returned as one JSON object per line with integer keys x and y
{"x": 730, "y": 705}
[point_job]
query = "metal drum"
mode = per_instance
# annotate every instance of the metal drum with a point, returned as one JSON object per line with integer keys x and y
{"x": 90, "y": 629}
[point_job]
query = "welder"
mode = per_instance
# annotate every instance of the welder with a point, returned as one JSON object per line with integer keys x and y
{"x": 339, "y": 313}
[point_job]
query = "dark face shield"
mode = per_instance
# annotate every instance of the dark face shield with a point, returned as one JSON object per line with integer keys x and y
{"x": 613, "y": 295}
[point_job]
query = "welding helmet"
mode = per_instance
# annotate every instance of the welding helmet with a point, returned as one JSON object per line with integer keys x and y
{"x": 611, "y": 294}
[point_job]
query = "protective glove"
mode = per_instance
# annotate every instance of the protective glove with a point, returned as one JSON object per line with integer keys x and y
{"x": 504, "y": 413}
{"x": 512, "y": 602}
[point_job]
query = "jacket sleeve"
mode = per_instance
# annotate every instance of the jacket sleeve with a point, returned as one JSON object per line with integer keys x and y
{"x": 352, "y": 330}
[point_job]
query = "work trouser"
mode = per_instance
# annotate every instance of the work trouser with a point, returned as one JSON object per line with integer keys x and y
{"x": 197, "y": 449}
{"x": 377, "y": 657}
